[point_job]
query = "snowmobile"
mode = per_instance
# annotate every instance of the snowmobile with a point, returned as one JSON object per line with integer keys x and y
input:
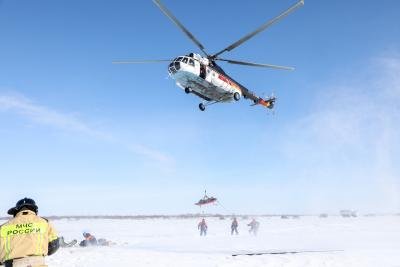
{"x": 206, "y": 200}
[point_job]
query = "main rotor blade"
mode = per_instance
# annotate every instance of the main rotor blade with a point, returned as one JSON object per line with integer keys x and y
{"x": 141, "y": 61}
{"x": 255, "y": 64}
{"x": 176, "y": 21}
{"x": 260, "y": 29}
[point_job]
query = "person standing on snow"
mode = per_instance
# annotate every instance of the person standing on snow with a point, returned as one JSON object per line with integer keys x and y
{"x": 27, "y": 238}
{"x": 254, "y": 225}
{"x": 234, "y": 226}
{"x": 202, "y": 226}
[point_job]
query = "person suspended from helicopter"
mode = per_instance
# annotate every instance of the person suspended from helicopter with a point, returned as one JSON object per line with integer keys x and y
{"x": 202, "y": 226}
{"x": 206, "y": 200}
{"x": 234, "y": 226}
{"x": 254, "y": 226}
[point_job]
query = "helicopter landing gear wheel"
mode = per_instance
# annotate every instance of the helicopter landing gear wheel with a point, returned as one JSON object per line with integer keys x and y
{"x": 188, "y": 90}
{"x": 236, "y": 96}
{"x": 202, "y": 107}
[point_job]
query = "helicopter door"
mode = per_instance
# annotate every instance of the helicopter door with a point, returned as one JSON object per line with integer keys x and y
{"x": 208, "y": 74}
{"x": 202, "y": 71}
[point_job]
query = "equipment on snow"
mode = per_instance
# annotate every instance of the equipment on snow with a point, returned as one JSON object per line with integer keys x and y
{"x": 64, "y": 244}
{"x": 281, "y": 252}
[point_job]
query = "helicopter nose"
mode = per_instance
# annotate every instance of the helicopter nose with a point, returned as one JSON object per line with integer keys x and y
{"x": 173, "y": 67}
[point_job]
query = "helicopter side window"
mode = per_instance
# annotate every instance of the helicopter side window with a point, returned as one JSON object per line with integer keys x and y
{"x": 185, "y": 60}
{"x": 191, "y": 62}
{"x": 179, "y": 58}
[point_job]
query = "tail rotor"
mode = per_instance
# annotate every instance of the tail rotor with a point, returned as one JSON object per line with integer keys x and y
{"x": 266, "y": 101}
{"x": 272, "y": 98}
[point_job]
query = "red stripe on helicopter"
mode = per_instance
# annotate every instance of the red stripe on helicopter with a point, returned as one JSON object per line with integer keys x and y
{"x": 223, "y": 78}
{"x": 264, "y": 103}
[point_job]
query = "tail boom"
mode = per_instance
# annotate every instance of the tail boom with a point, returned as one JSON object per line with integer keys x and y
{"x": 268, "y": 103}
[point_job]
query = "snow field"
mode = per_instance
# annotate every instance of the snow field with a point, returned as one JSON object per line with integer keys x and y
{"x": 362, "y": 241}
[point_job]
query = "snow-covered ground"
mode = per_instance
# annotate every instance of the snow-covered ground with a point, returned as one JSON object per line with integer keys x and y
{"x": 363, "y": 241}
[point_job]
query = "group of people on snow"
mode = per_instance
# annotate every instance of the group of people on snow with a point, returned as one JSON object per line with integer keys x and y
{"x": 254, "y": 226}
{"x": 88, "y": 241}
{"x": 27, "y": 238}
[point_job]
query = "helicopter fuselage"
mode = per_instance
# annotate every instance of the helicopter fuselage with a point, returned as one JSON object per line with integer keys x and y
{"x": 195, "y": 74}
{"x": 201, "y": 76}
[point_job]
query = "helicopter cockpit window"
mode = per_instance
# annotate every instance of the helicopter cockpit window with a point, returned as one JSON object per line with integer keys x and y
{"x": 185, "y": 60}
{"x": 179, "y": 59}
{"x": 191, "y": 62}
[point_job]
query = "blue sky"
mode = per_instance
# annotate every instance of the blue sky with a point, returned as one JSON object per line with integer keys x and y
{"x": 83, "y": 136}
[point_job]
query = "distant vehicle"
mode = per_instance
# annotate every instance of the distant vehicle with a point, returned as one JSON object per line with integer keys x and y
{"x": 284, "y": 217}
{"x": 201, "y": 76}
{"x": 323, "y": 215}
{"x": 348, "y": 213}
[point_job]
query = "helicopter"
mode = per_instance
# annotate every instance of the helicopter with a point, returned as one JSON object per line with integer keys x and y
{"x": 202, "y": 76}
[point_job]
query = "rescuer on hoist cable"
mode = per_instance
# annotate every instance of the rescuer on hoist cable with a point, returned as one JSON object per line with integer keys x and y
{"x": 27, "y": 238}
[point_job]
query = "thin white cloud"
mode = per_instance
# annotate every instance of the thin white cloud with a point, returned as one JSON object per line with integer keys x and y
{"x": 45, "y": 116}
{"x": 42, "y": 115}
{"x": 347, "y": 148}
{"x": 151, "y": 153}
